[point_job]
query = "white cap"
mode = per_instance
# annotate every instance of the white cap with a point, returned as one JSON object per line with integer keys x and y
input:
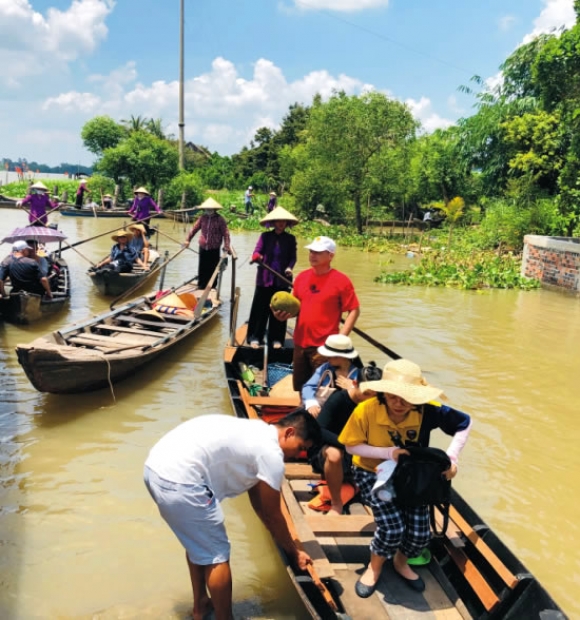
{"x": 250, "y": 187}
{"x": 18, "y": 246}
{"x": 322, "y": 244}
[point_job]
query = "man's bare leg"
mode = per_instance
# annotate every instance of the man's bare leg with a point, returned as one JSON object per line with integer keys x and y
{"x": 218, "y": 578}
{"x": 201, "y": 601}
{"x": 334, "y": 477}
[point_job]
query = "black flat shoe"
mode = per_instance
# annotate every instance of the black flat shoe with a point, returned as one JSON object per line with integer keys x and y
{"x": 415, "y": 584}
{"x": 363, "y": 590}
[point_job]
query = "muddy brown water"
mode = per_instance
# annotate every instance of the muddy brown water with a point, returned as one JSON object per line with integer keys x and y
{"x": 80, "y": 538}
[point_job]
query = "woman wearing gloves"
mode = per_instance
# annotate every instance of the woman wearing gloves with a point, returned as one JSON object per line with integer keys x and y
{"x": 400, "y": 414}
{"x": 277, "y": 249}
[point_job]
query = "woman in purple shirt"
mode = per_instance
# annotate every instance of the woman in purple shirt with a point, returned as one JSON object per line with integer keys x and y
{"x": 39, "y": 203}
{"x": 277, "y": 249}
{"x": 213, "y": 231}
{"x": 141, "y": 208}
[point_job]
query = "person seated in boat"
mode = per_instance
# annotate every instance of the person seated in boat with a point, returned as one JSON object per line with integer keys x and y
{"x": 107, "y": 201}
{"x": 39, "y": 203}
{"x": 331, "y": 459}
{"x": 122, "y": 256}
{"x": 276, "y": 248}
{"x": 141, "y": 208}
{"x": 214, "y": 231}
{"x": 341, "y": 371}
{"x": 80, "y": 195}
{"x": 193, "y": 468}
{"x": 41, "y": 260}
{"x": 140, "y": 243}
{"x": 24, "y": 272}
{"x": 402, "y": 414}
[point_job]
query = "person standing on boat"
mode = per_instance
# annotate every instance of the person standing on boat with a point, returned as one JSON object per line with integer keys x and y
{"x": 277, "y": 249}
{"x": 24, "y": 272}
{"x": 39, "y": 203}
{"x": 192, "y": 469}
{"x": 213, "y": 231}
{"x": 325, "y": 294}
{"x": 141, "y": 208}
{"x": 80, "y": 195}
{"x": 400, "y": 414}
{"x": 248, "y": 201}
{"x": 140, "y": 243}
{"x": 272, "y": 203}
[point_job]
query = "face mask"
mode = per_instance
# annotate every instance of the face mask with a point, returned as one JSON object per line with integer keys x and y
{"x": 208, "y": 211}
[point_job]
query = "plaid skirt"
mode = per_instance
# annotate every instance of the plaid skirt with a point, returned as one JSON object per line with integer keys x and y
{"x": 398, "y": 528}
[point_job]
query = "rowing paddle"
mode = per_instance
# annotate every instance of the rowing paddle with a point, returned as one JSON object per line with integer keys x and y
{"x": 38, "y": 219}
{"x": 356, "y": 330}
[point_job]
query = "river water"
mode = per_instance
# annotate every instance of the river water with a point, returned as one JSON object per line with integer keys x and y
{"x": 80, "y": 537}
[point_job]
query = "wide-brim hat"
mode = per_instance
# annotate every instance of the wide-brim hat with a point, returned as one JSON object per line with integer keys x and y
{"x": 39, "y": 185}
{"x": 107, "y": 196}
{"x": 122, "y": 233}
{"x": 210, "y": 203}
{"x": 138, "y": 227}
{"x": 338, "y": 345}
{"x": 279, "y": 214}
{"x": 141, "y": 190}
{"x": 403, "y": 378}
{"x": 272, "y": 193}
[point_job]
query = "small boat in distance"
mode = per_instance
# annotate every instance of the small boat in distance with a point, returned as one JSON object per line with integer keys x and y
{"x": 112, "y": 346}
{"x": 71, "y": 211}
{"x": 182, "y": 215}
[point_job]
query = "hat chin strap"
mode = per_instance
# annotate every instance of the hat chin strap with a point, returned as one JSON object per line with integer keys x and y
{"x": 401, "y": 378}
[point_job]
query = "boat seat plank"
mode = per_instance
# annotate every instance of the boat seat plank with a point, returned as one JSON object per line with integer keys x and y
{"x": 101, "y": 346}
{"x": 258, "y": 401}
{"x": 111, "y": 342}
{"x": 300, "y": 471}
{"x": 176, "y": 321}
{"x": 340, "y": 525}
{"x": 128, "y": 330}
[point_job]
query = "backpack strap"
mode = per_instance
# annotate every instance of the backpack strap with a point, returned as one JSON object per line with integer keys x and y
{"x": 444, "y": 510}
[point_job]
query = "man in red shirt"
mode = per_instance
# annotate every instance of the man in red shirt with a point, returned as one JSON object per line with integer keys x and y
{"x": 325, "y": 294}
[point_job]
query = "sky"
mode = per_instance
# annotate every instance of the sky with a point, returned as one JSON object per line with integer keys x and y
{"x": 62, "y": 62}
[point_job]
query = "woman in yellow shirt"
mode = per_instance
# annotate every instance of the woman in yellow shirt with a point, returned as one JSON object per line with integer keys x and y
{"x": 400, "y": 414}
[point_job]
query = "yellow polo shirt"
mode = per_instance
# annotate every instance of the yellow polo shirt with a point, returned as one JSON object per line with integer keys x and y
{"x": 370, "y": 424}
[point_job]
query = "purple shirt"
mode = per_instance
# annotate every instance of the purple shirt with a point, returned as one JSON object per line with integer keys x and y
{"x": 213, "y": 229}
{"x": 272, "y": 203}
{"x": 39, "y": 203}
{"x": 141, "y": 207}
{"x": 279, "y": 252}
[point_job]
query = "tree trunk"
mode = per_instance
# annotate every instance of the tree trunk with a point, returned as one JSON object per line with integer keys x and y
{"x": 358, "y": 213}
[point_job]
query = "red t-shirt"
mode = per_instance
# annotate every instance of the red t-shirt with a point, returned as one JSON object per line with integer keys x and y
{"x": 323, "y": 299}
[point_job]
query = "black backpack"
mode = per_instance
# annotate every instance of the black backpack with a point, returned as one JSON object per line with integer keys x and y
{"x": 418, "y": 481}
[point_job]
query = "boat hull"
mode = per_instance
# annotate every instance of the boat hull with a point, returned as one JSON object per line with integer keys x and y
{"x": 113, "y": 284}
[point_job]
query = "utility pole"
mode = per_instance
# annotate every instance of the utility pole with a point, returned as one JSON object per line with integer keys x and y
{"x": 181, "y": 113}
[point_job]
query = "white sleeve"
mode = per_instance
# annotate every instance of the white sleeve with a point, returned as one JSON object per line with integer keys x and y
{"x": 271, "y": 470}
{"x": 457, "y": 443}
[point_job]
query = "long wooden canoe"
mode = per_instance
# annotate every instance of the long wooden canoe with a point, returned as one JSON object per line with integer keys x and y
{"x": 112, "y": 346}
{"x": 472, "y": 574}
{"x": 71, "y": 211}
{"x": 113, "y": 283}
{"x": 23, "y": 308}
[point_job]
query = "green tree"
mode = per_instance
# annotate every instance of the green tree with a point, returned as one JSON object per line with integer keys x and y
{"x": 101, "y": 133}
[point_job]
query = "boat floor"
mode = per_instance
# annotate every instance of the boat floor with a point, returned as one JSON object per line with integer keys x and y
{"x": 340, "y": 555}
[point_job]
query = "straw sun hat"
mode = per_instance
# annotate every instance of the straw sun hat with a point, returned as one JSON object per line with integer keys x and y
{"x": 138, "y": 227}
{"x": 39, "y": 185}
{"x": 122, "y": 233}
{"x": 141, "y": 190}
{"x": 279, "y": 214}
{"x": 338, "y": 345}
{"x": 403, "y": 378}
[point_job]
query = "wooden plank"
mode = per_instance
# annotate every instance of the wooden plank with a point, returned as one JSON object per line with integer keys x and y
{"x": 251, "y": 411}
{"x": 93, "y": 343}
{"x": 127, "y": 330}
{"x": 300, "y": 471}
{"x": 500, "y": 568}
{"x": 274, "y": 402}
{"x": 341, "y": 525}
{"x": 453, "y": 532}
{"x": 133, "y": 319}
{"x": 114, "y": 341}
{"x": 474, "y": 578}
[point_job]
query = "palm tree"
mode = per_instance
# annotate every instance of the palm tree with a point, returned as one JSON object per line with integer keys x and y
{"x": 135, "y": 123}
{"x": 453, "y": 211}
{"x": 155, "y": 127}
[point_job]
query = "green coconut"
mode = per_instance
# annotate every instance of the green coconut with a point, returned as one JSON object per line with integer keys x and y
{"x": 286, "y": 302}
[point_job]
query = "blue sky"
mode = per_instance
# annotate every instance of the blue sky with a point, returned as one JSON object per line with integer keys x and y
{"x": 65, "y": 61}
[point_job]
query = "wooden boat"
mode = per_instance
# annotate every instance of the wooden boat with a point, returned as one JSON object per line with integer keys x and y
{"x": 472, "y": 574}
{"x": 113, "y": 283}
{"x": 23, "y": 308}
{"x": 71, "y": 211}
{"x": 182, "y": 215}
{"x": 112, "y": 346}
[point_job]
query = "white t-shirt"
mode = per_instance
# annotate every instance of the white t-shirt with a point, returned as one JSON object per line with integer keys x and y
{"x": 228, "y": 454}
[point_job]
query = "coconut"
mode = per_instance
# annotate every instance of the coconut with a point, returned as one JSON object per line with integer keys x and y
{"x": 286, "y": 302}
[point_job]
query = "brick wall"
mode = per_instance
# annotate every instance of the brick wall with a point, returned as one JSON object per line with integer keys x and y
{"x": 555, "y": 261}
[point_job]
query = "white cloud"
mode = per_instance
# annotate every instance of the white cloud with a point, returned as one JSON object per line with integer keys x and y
{"x": 346, "y": 6}
{"x": 454, "y": 106}
{"x": 506, "y": 22}
{"x": 85, "y": 103}
{"x": 32, "y": 43}
{"x": 423, "y": 111}
{"x": 554, "y": 15}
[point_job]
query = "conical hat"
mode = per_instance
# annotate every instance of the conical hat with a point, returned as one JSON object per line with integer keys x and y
{"x": 279, "y": 213}
{"x": 122, "y": 233}
{"x": 141, "y": 190}
{"x": 210, "y": 203}
{"x": 173, "y": 300}
{"x": 39, "y": 185}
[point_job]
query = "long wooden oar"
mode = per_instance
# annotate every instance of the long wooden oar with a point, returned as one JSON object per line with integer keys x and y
{"x": 39, "y": 218}
{"x": 356, "y": 330}
{"x": 177, "y": 241}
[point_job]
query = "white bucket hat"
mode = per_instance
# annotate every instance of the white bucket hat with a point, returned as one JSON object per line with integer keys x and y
{"x": 403, "y": 378}
{"x": 338, "y": 345}
{"x": 322, "y": 244}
